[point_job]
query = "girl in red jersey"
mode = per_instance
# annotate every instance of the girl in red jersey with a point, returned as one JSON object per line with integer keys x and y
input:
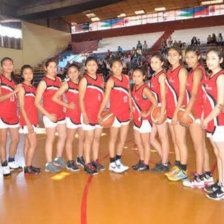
{"x": 54, "y": 118}
{"x": 118, "y": 91}
{"x": 143, "y": 103}
{"x": 158, "y": 87}
{"x": 70, "y": 89}
{"x": 176, "y": 83}
{"x": 9, "y": 120}
{"x": 195, "y": 79}
{"x": 213, "y": 119}
{"x": 28, "y": 117}
{"x": 91, "y": 90}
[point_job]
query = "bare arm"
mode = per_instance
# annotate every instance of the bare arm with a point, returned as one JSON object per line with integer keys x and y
{"x": 196, "y": 83}
{"x": 21, "y": 95}
{"x": 57, "y": 96}
{"x": 82, "y": 91}
{"x": 182, "y": 91}
{"x": 162, "y": 83}
{"x": 147, "y": 93}
{"x": 109, "y": 86}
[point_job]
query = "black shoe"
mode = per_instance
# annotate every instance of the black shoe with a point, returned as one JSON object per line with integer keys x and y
{"x": 29, "y": 171}
{"x": 160, "y": 168}
{"x": 80, "y": 161}
{"x": 72, "y": 166}
{"x": 216, "y": 195}
{"x": 144, "y": 168}
{"x": 90, "y": 169}
{"x": 138, "y": 165}
{"x": 36, "y": 169}
{"x": 214, "y": 187}
{"x": 97, "y": 165}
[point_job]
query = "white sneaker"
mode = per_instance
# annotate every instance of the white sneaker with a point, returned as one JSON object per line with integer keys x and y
{"x": 113, "y": 167}
{"x": 196, "y": 182}
{"x": 208, "y": 180}
{"x": 14, "y": 166}
{"x": 6, "y": 171}
{"x": 121, "y": 166}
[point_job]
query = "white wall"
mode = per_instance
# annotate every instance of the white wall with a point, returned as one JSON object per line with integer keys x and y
{"x": 127, "y": 42}
{"x": 39, "y": 43}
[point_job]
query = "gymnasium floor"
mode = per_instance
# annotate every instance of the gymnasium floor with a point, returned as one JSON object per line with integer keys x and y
{"x": 108, "y": 198}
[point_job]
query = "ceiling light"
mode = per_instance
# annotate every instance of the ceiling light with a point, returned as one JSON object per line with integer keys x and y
{"x": 121, "y": 15}
{"x": 139, "y": 12}
{"x": 160, "y": 9}
{"x": 95, "y": 19}
{"x": 211, "y": 2}
{"x": 91, "y": 15}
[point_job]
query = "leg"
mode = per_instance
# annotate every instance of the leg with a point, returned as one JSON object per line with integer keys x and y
{"x": 3, "y": 141}
{"x": 26, "y": 147}
{"x": 220, "y": 148}
{"x": 89, "y": 135}
{"x": 206, "y": 163}
{"x": 61, "y": 129}
{"x": 164, "y": 139}
{"x": 96, "y": 143}
{"x": 176, "y": 149}
{"x": 69, "y": 142}
{"x": 14, "y": 140}
{"x": 196, "y": 133}
{"x": 138, "y": 142}
{"x": 81, "y": 142}
{"x": 145, "y": 138}
{"x": 32, "y": 138}
{"x": 180, "y": 135}
{"x": 112, "y": 141}
{"x": 49, "y": 143}
{"x": 154, "y": 142}
{"x": 122, "y": 139}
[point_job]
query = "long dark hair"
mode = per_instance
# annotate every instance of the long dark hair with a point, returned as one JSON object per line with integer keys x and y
{"x": 21, "y": 73}
{"x": 10, "y": 59}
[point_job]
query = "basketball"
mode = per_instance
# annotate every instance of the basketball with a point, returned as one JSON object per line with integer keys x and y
{"x": 107, "y": 118}
{"x": 156, "y": 114}
{"x": 187, "y": 121}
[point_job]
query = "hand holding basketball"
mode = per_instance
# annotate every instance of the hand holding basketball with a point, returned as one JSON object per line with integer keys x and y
{"x": 106, "y": 118}
{"x": 157, "y": 116}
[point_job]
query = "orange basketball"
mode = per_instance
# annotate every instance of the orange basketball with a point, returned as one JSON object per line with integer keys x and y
{"x": 187, "y": 121}
{"x": 156, "y": 114}
{"x": 107, "y": 118}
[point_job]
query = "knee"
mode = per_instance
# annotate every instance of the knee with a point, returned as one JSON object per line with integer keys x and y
{"x": 15, "y": 140}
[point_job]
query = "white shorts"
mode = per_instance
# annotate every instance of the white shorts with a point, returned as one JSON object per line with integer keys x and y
{"x": 49, "y": 124}
{"x": 24, "y": 129}
{"x": 89, "y": 127}
{"x": 4, "y": 125}
{"x": 146, "y": 127}
{"x": 70, "y": 124}
{"x": 118, "y": 124}
{"x": 218, "y": 135}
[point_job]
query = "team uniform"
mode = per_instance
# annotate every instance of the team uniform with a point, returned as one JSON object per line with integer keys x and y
{"x": 49, "y": 105}
{"x": 173, "y": 92}
{"x": 119, "y": 101}
{"x": 141, "y": 104}
{"x": 73, "y": 116}
{"x": 198, "y": 105}
{"x": 92, "y": 101}
{"x": 30, "y": 108}
{"x": 215, "y": 129}
{"x": 8, "y": 108}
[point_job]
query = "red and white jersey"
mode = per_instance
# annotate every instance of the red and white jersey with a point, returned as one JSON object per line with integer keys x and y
{"x": 154, "y": 85}
{"x": 173, "y": 92}
{"x": 49, "y": 105}
{"x": 72, "y": 96}
{"x": 8, "y": 107}
{"x": 140, "y": 104}
{"x": 210, "y": 101}
{"x": 29, "y": 106}
{"x": 198, "y": 105}
{"x": 93, "y": 97}
{"x": 120, "y": 98}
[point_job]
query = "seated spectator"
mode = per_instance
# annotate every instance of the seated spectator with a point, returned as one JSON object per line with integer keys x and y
{"x": 214, "y": 39}
{"x": 145, "y": 46}
{"x": 120, "y": 50}
{"x": 220, "y": 39}
{"x": 139, "y": 45}
{"x": 209, "y": 39}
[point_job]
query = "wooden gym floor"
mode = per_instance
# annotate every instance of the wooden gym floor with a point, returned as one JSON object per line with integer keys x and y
{"x": 108, "y": 198}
